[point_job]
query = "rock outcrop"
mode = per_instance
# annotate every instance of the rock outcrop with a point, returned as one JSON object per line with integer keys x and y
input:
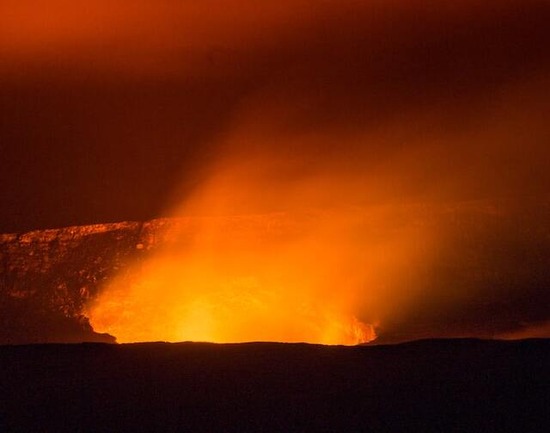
{"x": 494, "y": 265}
{"x": 48, "y": 275}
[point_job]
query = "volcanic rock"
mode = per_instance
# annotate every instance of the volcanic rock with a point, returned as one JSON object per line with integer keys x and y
{"x": 493, "y": 264}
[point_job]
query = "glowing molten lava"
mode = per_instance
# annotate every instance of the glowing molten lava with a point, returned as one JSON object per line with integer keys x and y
{"x": 278, "y": 277}
{"x": 265, "y": 250}
{"x": 235, "y": 280}
{"x": 176, "y": 303}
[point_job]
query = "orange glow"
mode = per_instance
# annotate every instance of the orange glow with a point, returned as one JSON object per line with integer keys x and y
{"x": 297, "y": 235}
{"x": 319, "y": 276}
{"x": 277, "y": 246}
{"x": 234, "y": 279}
{"x": 306, "y": 224}
{"x": 310, "y": 136}
{"x": 198, "y": 300}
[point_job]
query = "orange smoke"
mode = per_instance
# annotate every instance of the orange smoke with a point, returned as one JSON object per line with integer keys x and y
{"x": 296, "y": 235}
{"x": 307, "y": 224}
{"x": 291, "y": 238}
{"x": 310, "y": 273}
{"x": 271, "y": 277}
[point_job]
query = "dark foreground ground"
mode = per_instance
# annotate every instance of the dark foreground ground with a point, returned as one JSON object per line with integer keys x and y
{"x": 435, "y": 385}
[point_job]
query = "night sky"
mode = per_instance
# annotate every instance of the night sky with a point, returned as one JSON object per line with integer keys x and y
{"x": 108, "y": 108}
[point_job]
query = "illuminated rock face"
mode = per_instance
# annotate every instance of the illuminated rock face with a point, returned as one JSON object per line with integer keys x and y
{"x": 489, "y": 277}
{"x": 47, "y": 276}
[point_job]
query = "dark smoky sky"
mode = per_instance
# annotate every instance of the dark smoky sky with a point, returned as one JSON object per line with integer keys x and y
{"x": 107, "y": 106}
{"x": 113, "y": 110}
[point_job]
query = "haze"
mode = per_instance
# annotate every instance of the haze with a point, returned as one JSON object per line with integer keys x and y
{"x": 217, "y": 108}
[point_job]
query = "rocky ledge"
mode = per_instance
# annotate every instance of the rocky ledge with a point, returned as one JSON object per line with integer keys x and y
{"x": 48, "y": 276}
